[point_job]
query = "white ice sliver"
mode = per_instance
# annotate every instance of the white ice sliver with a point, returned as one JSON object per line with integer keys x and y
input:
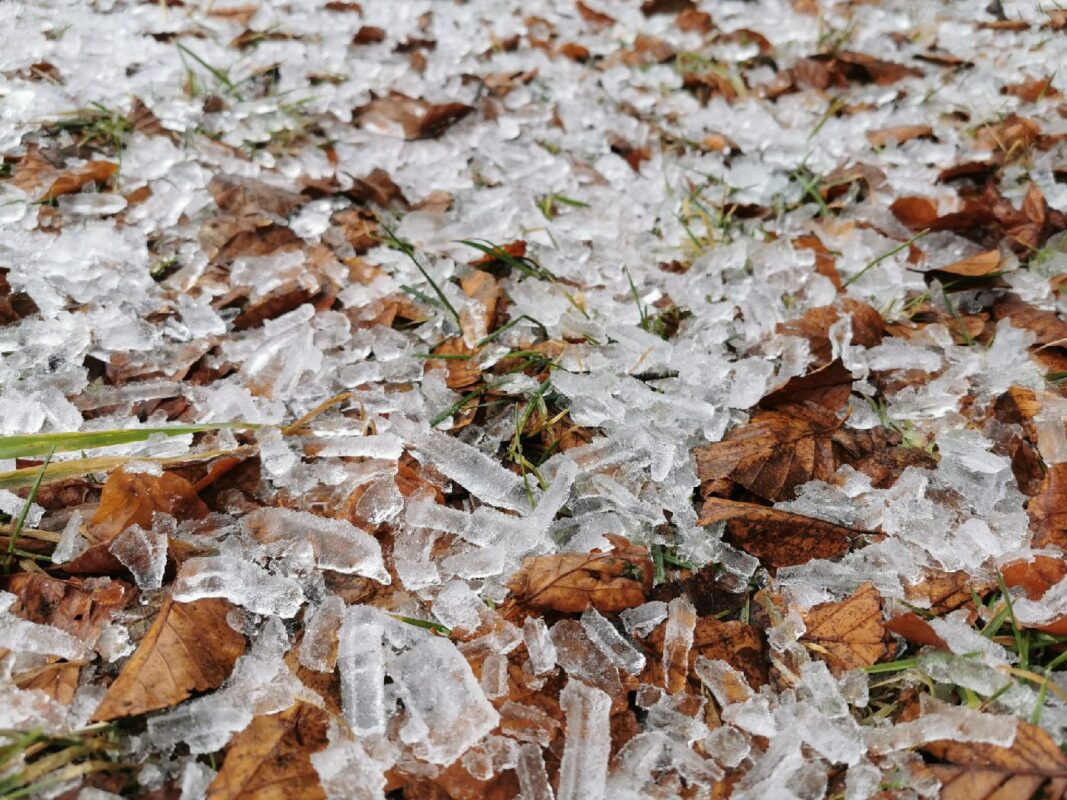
{"x": 143, "y": 553}
{"x": 583, "y": 770}
{"x": 446, "y": 712}
{"x": 617, "y": 649}
{"x": 239, "y": 581}
{"x": 361, "y": 663}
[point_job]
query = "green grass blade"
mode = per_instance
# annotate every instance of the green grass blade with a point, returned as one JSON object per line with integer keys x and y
{"x": 21, "y": 521}
{"x": 39, "y": 444}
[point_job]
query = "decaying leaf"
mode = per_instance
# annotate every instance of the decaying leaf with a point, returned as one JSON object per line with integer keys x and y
{"x": 411, "y": 117}
{"x": 915, "y": 629}
{"x": 899, "y": 134}
{"x": 848, "y": 634}
{"x": 189, "y": 648}
{"x": 1034, "y": 766}
{"x": 485, "y": 291}
{"x": 1036, "y": 574}
{"x": 1048, "y": 509}
{"x": 271, "y": 758}
{"x": 131, "y": 498}
{"x": 79, "y": 609}
{"x": 941, "y": 592}
{"x": 732, "y": 641}
{"x": 573, "y": 582}
{"x": 774, "y": 453}
{"x": 975, "y": 266}
{"x": 868, "y": 327}
{"x": 777, "y": 538}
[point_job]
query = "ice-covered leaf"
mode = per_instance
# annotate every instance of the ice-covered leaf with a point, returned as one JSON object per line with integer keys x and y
{"x": 410, "y": 117}
{"x": 189, "y": 648}
{"x": 573, "y": 582}
{"x": 915, "y": 629}
{"x": 1048, "y": 509}
{"x": 271, "y": 758}
{"x": 79, "y": 608}
{"x": 777, "y": 538}
{"x": 848, "y": 634}
{"x": 131, "y": 498}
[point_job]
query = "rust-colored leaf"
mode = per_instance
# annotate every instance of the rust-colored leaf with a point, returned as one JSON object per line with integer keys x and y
{"x": 1034, "y": 766}
{"x": 1036, "y": 574}
{"x": 1032, "y": 90}
{"x": 915, "y": 629}
{"x": 462, "y": 373}
{"x": 131, "y": 498}
{"x": 829, "y": 386}
{"x": 848, "y": 634}
{"x": 774, "y": 453}
{"x": 574, "y": 582}
{"x": 732, "y": 641}
{"x": 941, "y": 592}
{"x": 915, "y": 212}
{"x": 70, "y": 605}
{"x": 411, "y": 117}
{"x": 825, "y": 263}
{"x": 58, "y": 680}
{"x": 1047, "y": 326}
{"x": 1048, "y": 509}
{"x": 974, "y": 266}
{"x": 244, "y": 197}
{"x": 597, "y": 20}
{"x": 189, "y": 648}
{"x": 271, "y": 758}
{"x": 868, "y": 328}
{"x": 777, "y": 538}
{"x": 485, "y": 290}
{"x": 899, "y": 134}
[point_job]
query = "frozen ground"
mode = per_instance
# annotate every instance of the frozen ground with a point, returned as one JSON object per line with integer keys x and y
{"x": 629, "y": 400}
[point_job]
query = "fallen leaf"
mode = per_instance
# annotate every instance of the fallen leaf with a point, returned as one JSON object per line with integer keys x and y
{"x": 975, "y": 266}
{"x": 379, "y": 187}
{"x": 868, "y": 328}
{"x": 914, "y": 212}
{"x": 247, "y": 197}
{"x": 1048, "y": 509}
{"x": 732, "y": 641}
{"x": 189, "y": 648}
{"x": 824, "y": 260}
{"x": 693, "y": 21}
{"x": 1032, "y": 89}
{"x": 650, "y": 7}
{"x": 915, "y": 629}
{"x": 58, "y": 680}
{"x": 1034, "y": 766}
{"x": 774, "y": 452}
{"x": 271, "y": 758}
{"x": 829, "y": 386}
{"x": 777, "y": 538}
{"x": 1048, "y": 327}
{"x": 848, "y": 634}
{"x": 411, "y": 117}
{"x": 131, "y": 498}
{"x": 574, "y": 582}
{"x": 461, "y": 372}
{"x": 941, "y": 592}
{"x": 79, "y": 609}
{"x": 485, "y": 290}
{"x": 597, "y": 20}
{"x": 1036, "y": 574}
{"x": 1012, "y": 135}
{"x": 899, "y": 134}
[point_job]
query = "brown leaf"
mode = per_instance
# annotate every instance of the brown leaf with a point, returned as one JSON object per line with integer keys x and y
{"x": 867, "y": 327}
{"x": 775, "y": 452}
{"x": 596, "y": 19}
{"x": 131, "y": 498}
{"x": 271, "y": 758}
{"x": 1034, "y": 766}
{"x": 1036, "y": 574}
{"x": 412, "y": 117}
{"x": 941, "y": 592}
{"x": 379, "y": 187}
{"x": 915, "y": 629}
{"x": 915, "y": 212}
{"x": 59, "y": 680}
{"x": 1012, "y": 135}
{"x": 1048, "y": 327}
{"x": 189, "y": 648}
{"x": 70, "y": 605}
{"x": 732, "y": 641}
{"x": 574, "y": 582}
{"x": 693, "y": 21}
{"x": 974, "y": 266}
{"x": 899, "y": 134}
{"x": 777, "y": 538}
{"x": 848, "y": 634}
{"x": 462, "y": 373}
{"x": 829, "y": 386}
{"x": 1032, "y": 89}
{"x": 824, "y": 259}
{"x": 650, "y": 7}
{"x": 245, "y": 197}
{"x": 1048, "y": 509}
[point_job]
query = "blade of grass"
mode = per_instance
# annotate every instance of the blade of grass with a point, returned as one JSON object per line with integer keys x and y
{"x": 37, "y": 444}
{"x": 426, "y": 624}
{"x": 874, "y": 263}
{"x": 24, "y": 512}
{"x": 409, "y": 251}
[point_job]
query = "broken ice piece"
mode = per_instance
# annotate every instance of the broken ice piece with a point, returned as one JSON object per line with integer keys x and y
{"x": 458, "y": 607}
{"x": 495, "y": 676}
{"x": 727, "y": 745}
{"x": 726, "y": 683}
{"x": 361, "y": 662}
{"x": 584, "y": 768}
{"x": 677, "y": 641}
{"x": 640, "y": 621}
{"x": 527, "y": 723}
{"x": 143, "y": 553}
{"x": 446, "y": 711}
{"x": 538, "y": 645}
{"x": 533, "y": 778}
{"x": 347, "y": 772}
{"x": 71, "y": 542}
{"x": 604, "y": 635}
{"x": 239, "y": 581}
{"x": 338, "y": 544}
{"x": 318, "y": 648}
{"x": 21, "y": 636}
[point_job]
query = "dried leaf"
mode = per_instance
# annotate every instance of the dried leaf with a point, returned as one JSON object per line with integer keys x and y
{"x": 915, "y": 213}
{"x": 271, "y": 758}
{"x": 247, "y": 197}
{"x": 80, "y": 610}
{"x": 462, "y": 373}
{"x": 974, "y": 266}
{"x": 915, "y": 629}
{"x": 941, "y": 592}
{"x": 1034, "y": 766}
{"x": 868, "y": 328}
{"x": 1036, "y": 574}
{"x": 1047, "y": 326}
{"x": 411, "y": 117}
{"x": 824, "y": 259}
{"x": 131, "y": 498}
{"x": 574, "y": 582}
{"x": 732, "y": 641}
{"x": 774, "y": 453}
{"x": 1048, "y": 509}
{"x": 189, "y": 648}
{"x": 829, "y": 387}
{"x": 485, "y": 290}
{"x": 899, "y": 134}
{"x": 596, "y": 19}
{"x": 848, "y": 634}
{"x": 777, "y": 538}
{"x": 58, "y": 680}
{"x": 1032, "y": 89}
